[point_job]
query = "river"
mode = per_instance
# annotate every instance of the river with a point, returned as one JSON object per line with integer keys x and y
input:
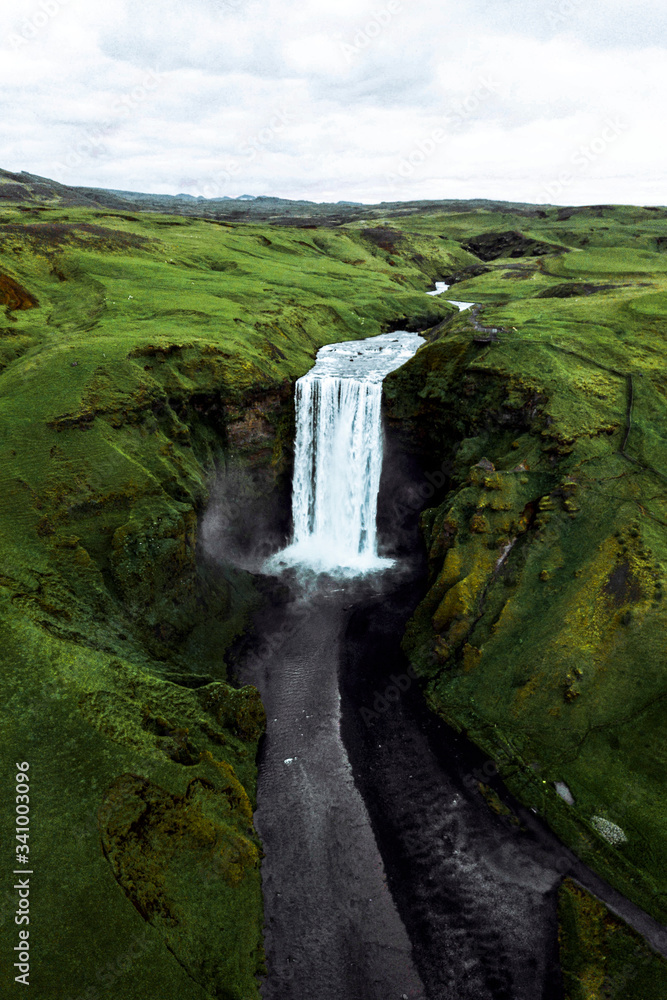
{"x": 386, "y": 874}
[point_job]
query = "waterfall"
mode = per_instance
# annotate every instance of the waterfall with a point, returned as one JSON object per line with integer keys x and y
{"x": 338, "y": 456}
{"x": 337, "y": 466}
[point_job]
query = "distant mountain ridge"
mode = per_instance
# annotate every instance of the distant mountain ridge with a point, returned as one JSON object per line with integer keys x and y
{"x": 32, "y": 190}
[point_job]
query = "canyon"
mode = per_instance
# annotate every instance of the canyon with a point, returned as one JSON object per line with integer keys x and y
{"x": 147, "y": 372}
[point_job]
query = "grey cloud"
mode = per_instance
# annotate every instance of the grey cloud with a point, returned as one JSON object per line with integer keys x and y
{"x": 599, "y": 23}
{"x": 227, "y": 65}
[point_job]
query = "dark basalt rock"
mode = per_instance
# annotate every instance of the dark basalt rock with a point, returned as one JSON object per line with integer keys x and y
{"x": 570, "y": 289}
{"x": 466, "y": 273}
{"x": 15, "y": 296}
{"x": 384, "y": 238}
{"x": 491, "y": 246}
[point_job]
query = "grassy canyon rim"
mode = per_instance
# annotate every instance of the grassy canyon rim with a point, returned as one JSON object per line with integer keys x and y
{"x": 146, "y": 345}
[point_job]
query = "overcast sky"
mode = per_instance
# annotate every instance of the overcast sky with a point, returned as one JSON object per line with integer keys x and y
{"x": 556, "y": 101}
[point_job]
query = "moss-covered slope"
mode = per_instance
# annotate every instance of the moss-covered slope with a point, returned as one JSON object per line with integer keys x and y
{"x": 137, "y": 356}
{"x": 542, "y": 634}
{"x": 601, "y": 957}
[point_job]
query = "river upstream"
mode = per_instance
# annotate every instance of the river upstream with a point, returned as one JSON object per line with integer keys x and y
{"x": 386, "y": 874}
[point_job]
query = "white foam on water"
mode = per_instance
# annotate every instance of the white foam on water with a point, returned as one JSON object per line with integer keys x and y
{"x": 441, "y": 288}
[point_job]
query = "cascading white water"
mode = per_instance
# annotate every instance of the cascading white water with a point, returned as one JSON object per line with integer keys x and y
{"x": 441, "y": 287}
{"x": 338, "y": 460}
{"x": 338, "y": 455}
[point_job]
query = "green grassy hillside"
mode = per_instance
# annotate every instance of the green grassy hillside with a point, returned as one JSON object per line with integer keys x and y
{"x": 139, "y": 353}
{"x": 542, "y": 634}
{"x": 132, "y": 352}
{"x": 601, "y": 957}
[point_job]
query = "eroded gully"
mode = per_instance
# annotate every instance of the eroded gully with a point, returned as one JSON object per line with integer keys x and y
{"x": 386, "y": 875}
